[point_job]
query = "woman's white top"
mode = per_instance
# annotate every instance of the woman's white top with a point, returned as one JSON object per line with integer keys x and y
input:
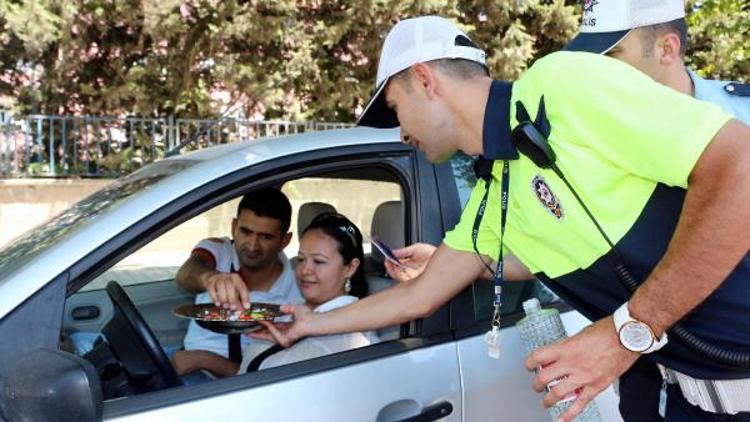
{"x": 311, "y": 347}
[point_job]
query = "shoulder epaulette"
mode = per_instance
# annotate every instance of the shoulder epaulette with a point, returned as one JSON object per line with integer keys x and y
{"x": 738, "y": 89}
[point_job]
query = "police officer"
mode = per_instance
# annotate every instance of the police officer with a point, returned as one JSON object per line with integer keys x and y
{"x": 658, "y": 169}
{"x": 654, "y": 42}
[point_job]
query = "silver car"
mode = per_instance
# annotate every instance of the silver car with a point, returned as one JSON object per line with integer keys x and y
{"x": 86, "y": 299}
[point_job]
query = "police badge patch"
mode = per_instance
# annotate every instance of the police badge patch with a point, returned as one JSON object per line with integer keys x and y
{"x": 546, "y": 197}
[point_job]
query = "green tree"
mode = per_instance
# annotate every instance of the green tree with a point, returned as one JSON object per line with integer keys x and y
{"x": 719, "y": 33}
{"x": 288, "y": 59}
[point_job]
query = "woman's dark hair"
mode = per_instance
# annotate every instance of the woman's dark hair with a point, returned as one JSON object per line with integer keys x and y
{"x": 349, "y": 241}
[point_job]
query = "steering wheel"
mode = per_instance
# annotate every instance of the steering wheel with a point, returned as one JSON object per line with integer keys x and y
{"x": 136, "y": 346}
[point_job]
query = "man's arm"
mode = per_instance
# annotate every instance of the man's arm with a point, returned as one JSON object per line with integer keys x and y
{"x": 709, "y": 241}
{"x": 447, "y": 273}
{"x": 711, "y": 235}
{"x": 192, "y": 273}
{"x": 513, "y": 269}
{"x": 415, "y": 258}
{"x": 197, "y": 275}
{"x": 187, "y": 361}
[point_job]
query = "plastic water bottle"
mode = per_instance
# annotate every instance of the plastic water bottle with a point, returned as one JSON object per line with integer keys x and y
{"x": 541, "y": 327}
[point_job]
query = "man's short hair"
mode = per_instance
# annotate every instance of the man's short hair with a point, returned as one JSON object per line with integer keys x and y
{"x": 268, "y": 202}
{"x": 456, "y": 68}
{"x": 650, "y": 33}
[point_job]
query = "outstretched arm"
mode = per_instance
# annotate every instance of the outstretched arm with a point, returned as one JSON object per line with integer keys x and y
{"x": 415, "y": 258}
{"x": 448, "y": 272}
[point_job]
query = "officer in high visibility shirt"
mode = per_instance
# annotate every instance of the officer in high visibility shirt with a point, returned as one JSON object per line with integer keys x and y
{"x": 631, "y": 147}
{"x": 654, "y": 42}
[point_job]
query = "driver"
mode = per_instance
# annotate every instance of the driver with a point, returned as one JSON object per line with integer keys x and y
{"x": 230, "y": 271}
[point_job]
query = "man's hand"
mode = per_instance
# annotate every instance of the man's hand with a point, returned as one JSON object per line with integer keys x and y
{"x": 588, "y": 362}
{"x": 284, "y": 333}
{"x": 226, "y": 290}
{"x": 414, "y": 258}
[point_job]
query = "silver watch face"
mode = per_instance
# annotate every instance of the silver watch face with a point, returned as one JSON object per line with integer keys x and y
{"x": 636, "y": 336}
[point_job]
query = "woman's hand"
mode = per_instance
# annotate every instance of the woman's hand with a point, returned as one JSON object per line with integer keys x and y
{"x": 270, "y": 332}
{"x": 414, "y": 259}
{"x": 287, "y": 333}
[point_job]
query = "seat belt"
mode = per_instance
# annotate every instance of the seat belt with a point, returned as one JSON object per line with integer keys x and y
{"x": 255, "y": 363}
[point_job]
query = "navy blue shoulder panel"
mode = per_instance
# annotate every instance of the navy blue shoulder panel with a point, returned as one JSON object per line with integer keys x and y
{"x": 496, "y": 142}
{"x": 738, "y": 89}
{"x": 722, "y": 319}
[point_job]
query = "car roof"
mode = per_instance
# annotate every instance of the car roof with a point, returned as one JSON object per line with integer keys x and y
{"x": 208, "y": 164}
{"x": 290, "y": 144}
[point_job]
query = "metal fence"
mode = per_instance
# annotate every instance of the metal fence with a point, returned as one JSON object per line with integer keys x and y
{"x": 85, "y": 146}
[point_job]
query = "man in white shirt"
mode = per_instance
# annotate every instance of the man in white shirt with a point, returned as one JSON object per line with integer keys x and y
{"x": 232, "y": 271}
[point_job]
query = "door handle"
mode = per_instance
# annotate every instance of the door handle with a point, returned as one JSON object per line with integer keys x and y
{"x": 431, "y": 413}
{"x": 83, "y": 313}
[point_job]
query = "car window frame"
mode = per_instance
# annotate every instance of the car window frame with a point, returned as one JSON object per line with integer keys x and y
{"x": 38, "y": 318}
{"x": 406, "y": 164}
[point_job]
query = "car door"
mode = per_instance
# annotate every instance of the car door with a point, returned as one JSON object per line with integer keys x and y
{"x": 500, "y": 389}
{"x": 389, "y": 381}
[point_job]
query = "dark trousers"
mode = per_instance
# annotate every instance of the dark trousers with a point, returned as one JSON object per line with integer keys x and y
{"x": 639, "y": 399}
{"x": 639, "y": 392}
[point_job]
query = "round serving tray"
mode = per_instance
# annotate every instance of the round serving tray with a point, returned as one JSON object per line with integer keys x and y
{"x": 199, "y": 313}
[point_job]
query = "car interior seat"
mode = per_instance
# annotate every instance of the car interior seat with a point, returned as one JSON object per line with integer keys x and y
{"x": 388, "y": 227}
{"x": 308, "y": 211}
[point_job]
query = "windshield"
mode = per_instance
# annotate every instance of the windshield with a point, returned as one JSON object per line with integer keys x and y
{"x": 35, "y": 241}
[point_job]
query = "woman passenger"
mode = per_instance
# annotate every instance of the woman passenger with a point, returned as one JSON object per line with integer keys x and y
{"x": 329, "y": 275}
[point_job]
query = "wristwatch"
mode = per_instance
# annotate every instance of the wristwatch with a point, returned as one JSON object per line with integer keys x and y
{"x": 636, "y": 335}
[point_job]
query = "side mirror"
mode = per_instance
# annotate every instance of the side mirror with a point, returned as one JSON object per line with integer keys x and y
{"x": 50, "y": 385}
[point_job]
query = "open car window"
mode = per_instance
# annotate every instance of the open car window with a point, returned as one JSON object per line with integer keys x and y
{"x": 373, "y": 198}
{"x": 160, "y": 259}
{"x": 357, "y": 199}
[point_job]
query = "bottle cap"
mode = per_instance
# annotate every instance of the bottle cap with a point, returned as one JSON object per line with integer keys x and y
{"x": 532, "y": 306}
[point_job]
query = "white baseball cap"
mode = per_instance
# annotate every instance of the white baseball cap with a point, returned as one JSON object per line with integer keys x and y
{"x": 412, "y": 41}
{"x": 606, "y": 22}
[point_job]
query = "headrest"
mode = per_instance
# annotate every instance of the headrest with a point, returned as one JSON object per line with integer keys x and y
{"x": 308, "y": 211}
{"x": 388, "y": 226}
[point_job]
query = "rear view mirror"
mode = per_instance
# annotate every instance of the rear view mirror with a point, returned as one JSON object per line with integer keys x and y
{"x": 50, "y": 385}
